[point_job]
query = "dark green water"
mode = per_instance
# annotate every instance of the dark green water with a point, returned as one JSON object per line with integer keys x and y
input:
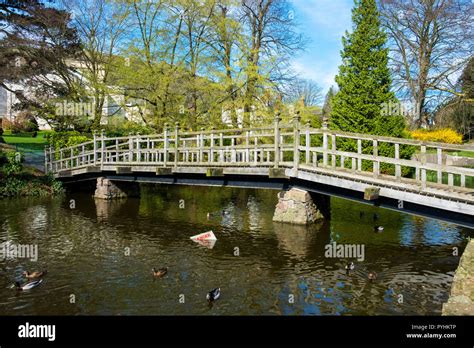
{"x": 102, "y": 253}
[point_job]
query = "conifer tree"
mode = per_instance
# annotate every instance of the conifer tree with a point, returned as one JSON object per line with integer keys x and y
{"x": 364, "y": 83}
{"x": 364, "y": 77}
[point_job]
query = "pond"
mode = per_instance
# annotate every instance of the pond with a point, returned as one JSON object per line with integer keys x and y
{"x": 99, "y": 257}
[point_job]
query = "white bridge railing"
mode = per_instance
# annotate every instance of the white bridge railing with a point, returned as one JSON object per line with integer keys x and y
{"x": 295, "y": 146}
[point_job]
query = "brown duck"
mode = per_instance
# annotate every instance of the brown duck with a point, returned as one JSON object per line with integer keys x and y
{"x": 159, "y": 272}
{"x": 34, "y": 275}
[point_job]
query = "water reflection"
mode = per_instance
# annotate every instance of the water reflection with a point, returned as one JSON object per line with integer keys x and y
{"x": 103, "y": 253}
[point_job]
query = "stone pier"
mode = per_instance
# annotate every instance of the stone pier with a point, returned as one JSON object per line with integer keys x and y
{"x": 461, "y": 298}
{"x": 107, "y": 189}
{"x": 297, "y": 206}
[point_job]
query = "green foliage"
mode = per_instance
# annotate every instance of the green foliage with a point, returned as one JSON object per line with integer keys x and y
{"x": 12, "y": 186}
{"x": 55, "y": 186}
{"x": 59, "y": 140}
{"x": 65, "y": 139}
{"x": 27, "y": 186}
{"x": 118, "y": 126}
{"x": 14, "y": 165}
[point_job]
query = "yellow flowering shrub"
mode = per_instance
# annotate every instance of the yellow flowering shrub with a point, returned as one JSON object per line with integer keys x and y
{"x": 444, "y": 135}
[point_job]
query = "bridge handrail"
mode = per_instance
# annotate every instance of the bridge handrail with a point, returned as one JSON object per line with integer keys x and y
{"x": 404, "y": 141}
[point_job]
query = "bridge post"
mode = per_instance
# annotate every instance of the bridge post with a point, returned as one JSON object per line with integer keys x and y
{"x": 130, "y": 147}
{"x": 333, "y": 146}
{"x": 61, "y": 160}
{"x": 233, "y": 154}
{"x": 176, "y": 143}
{"x": 359, "y": 152}
{"x": 52, "y": 157}
{"x": 46, "y": 159}
{"x": 296, "y": 143}
{"x": 201, "y": 145}
{"x": 221, "y": 145}
{"x": 376, "y": 164}
{"x": 439, "y": 173}
{"x": 325, "y": 144}
{"x": 423, "y": 162}
{"x": 398, "y": 168}
{"x": 138, "y": 147}
{"x": 95, "y": 146}
{"x": 211, "y": 158}
{"x": 102, "y": 149}
{"x": 165, "y": 144}
{"x": 307, "y": 141}
{"x": 247, "y": 146}
{"x": 277, "y": 140}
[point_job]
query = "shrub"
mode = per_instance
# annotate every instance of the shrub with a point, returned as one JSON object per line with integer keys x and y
{"x": 18, "y": 186}
{"x": 60, "y": 140}
{"x": 117, "y": 127}
{"x": 444, "y": 135}
{"x": 14, "y": 165}
{"x": 66, "y": 139}
{"x": 12, "y": 187}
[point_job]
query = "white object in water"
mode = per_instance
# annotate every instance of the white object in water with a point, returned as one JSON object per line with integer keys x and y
{"x": 209, "y": 235}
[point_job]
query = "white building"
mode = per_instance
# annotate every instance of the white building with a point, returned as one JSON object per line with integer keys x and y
{"x": 114, "y": 104}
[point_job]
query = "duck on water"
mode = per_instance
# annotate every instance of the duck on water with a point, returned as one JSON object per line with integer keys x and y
{"x": 213, "y": 295}
{"x": 158, "y": 273}
{"x": 28, "y": 286}
{"x": 349, "y": 267}
{"x": 34, "y": 275}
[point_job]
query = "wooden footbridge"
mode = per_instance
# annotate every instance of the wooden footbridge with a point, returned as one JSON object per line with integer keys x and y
{"x": 282, "y": 156}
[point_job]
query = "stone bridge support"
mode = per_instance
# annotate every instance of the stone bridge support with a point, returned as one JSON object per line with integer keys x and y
{"x": 461, "y": 299}
{"x": 301, "y": 207}
{"x": 108, "y": 189}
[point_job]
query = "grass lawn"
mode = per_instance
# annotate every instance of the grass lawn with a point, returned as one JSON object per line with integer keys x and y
{"x": 25, "y": 141}
{"x": 466, "y": 153}
{"x": 452, "y": 153}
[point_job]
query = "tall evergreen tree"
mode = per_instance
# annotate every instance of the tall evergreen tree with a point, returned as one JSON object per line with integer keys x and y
{"x": 364, "y": 83}
{"x": 364, "y": 77}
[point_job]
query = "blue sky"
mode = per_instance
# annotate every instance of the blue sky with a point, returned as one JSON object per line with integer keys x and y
{"x": 324, "y": 23}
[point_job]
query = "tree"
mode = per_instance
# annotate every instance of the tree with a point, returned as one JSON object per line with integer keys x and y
{"x": 101, "y": 25}
{"x": 364, "y": 82}
{"x": 226, "y": 36}
{"x": 301, "y": 89}
{"x": 430, "y": 41}
{"x": 36, "y": 44}
{"x": 271, "y": 39}
{"x": 327, "y": 107}
{"x": 364, "y": 78}
{"x": 458, "y": 111}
